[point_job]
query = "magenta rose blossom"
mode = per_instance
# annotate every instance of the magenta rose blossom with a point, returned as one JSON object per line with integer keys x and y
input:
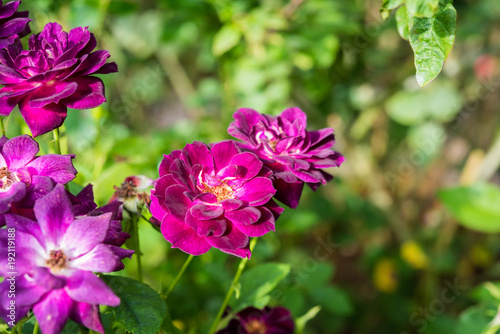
{"x": 213, "y": 197}
{"x": 56, "y": 257}
{"x": 53, "y": 75}
{"x": 24, "y": 177}
{"x": 13, "y": 24}
{"x": 295, "y": 155}
{"x": 277, "y": 320}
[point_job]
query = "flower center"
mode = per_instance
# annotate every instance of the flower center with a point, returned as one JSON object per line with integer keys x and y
{"x": 255, "y": 326}
{"x": 126, "y": 190}
{"x": 7, "y": 179}
{"x": 56, "y": 261}
{"x": 222, "y": 191}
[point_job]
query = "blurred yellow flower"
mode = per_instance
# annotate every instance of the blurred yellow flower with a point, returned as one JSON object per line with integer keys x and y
{"x": 385, "y": 277}
{"x": 412, "y": 253}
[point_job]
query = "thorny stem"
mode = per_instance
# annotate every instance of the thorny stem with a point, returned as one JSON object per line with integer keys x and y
{"x": 229, "y": 294}
{"x": 178, "y": 277}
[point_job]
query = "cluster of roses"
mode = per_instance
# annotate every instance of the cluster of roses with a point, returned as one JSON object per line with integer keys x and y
{"x": 220, "y": 195}
{"x": 216, "y": 195}
{"x": 53, "y": 242}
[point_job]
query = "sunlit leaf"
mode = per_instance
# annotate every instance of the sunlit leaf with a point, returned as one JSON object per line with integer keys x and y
{"x": 225, "y": 40}
{"x": 432, "y": 40}
{"x": 257, "y": 283}
{"x": 422, "y": 8}
{"x": 476, "y": 207}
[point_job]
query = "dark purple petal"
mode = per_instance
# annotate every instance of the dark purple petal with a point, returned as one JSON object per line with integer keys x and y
{"x": 51, "y": 92}
{"x": 42, "y": 120}
{"x": 288, "y": 193}
{"x": 89, "y": 94}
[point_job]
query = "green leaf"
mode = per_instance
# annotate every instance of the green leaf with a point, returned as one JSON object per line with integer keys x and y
{"x": 439, "y": 101}
{"x": 431, "y": 40}
{"x": 257, "y": 283}
{"x": 141, "y": 311}
{"x": 225, "y": 39}
{"x": 473, "y": 320}
{"x": 402, "y": 22}
{"x": 422, "y": 8}
{"x": 389, "y": 5}
{"x": 475, "y": 207}
{"x": 301, "y": 322}
{"x": 332, "y": 298}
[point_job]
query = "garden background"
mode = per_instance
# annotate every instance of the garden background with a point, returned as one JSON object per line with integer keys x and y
{"x": 383, "y": 247}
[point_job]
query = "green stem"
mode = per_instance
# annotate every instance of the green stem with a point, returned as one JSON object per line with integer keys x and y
{"x": 56, "y": 140}
{"x": 178, "y": 277}
{"x": 135, "y": 226}
{"x": 229, "y": 294}
{"x": 35, "y": 330}
{"x": 2, "y": 126}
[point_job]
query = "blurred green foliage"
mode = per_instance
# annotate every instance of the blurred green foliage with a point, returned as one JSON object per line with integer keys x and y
{"x": 186, "y": 66}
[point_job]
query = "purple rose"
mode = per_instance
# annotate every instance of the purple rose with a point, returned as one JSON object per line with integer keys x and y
{"x": 25, "y": 177}
{"x": 53, "y": 75}
{"x": 295, "y": 155}
{"x": 13, "y": 24}
{"x": 277, "y": 320}
{"x": 213, "y": 197}
{"x": 84, "y": 205}
{"x": 56, "y": 257}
